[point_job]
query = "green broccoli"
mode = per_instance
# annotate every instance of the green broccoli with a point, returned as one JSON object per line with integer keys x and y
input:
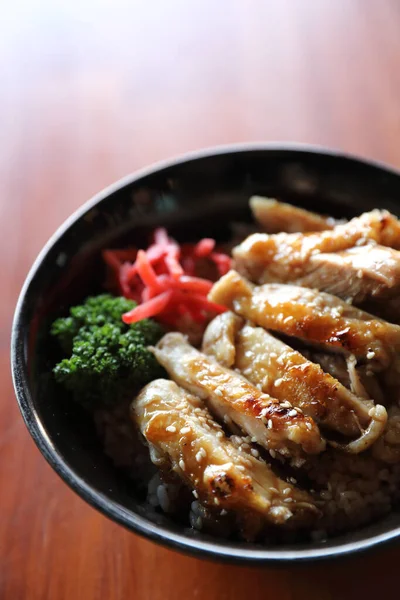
{"x": 107, "y": 361}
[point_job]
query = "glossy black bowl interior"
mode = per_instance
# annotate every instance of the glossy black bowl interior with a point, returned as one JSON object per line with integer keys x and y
{"x": 194, "y": 196}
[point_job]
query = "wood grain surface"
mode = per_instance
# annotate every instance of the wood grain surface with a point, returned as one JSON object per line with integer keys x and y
{"x": 92, "y": 90}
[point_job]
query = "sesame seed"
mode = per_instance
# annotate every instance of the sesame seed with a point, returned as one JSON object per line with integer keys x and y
{"x": 292, "y": 480}
{"x": 288, "y": 500}
{"x": 359, "y": 274}
{"x": 199, "y": 456}
{"x": 255, "y": 452}
{"x": 195, "y": 494}
{"x": 219, "y": 434}
{"x": 308, "y": 425}
{"x": 227, "y": 419}
{"x": 182, "y": 465}
{"x": 286, "y": 491}
{"x": 278, "y": 382}
{"x": 171, "y": 428}
{"x": 185, "y": 430}
{"x": 370, "y": 354}
{"x": 241, "y": 468}
{"x": 286, "y": 404}
{"x": 292, "y": 413}
{"x": 216, "y": 501}
{"x": 218, "y": 392}
{"x": 270, "y": 424}
{"x": 273, "y": 490}
{"x": 223, "y": 512}
{"x": 272, "y": 453}
{"x": 288, "y": 319}
{"x": 273, "y": 354}
{"x": 266, "y": 398}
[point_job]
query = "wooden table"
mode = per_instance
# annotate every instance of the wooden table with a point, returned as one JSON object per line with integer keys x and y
{"x": 92, "y": 91}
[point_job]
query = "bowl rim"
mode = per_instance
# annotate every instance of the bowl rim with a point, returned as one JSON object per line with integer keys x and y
{"x": 133, "y": 521}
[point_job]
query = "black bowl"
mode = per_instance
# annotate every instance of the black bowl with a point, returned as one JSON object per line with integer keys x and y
{"x": 194, "y": 195}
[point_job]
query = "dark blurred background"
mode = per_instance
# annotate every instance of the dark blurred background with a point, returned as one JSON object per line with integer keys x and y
{"x": 92, "y": 90}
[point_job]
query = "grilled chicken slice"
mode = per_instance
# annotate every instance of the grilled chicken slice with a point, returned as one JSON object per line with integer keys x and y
{"x": 287, "y": 375}
{"x": 358, "y": 273}
{"x": 232, "y": 398}
{"x": 276, "y": 216}
{"x": 364, "y": 275}
{"x": 282, "y": 256}
{"x": 183, "y": 436}
{"x": 312, "y": 316}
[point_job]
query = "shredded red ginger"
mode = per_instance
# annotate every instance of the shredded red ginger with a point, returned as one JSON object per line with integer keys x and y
{"x": 162, "y": 279}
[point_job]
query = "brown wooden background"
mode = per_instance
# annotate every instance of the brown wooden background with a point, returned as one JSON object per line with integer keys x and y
{"x": 91, "y": 90}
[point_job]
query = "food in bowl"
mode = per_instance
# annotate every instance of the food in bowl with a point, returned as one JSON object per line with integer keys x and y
{"x": 251, "y": 390}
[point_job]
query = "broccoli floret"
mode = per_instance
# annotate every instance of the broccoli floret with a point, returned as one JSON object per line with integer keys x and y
{"x": 107, "y": 361}
{"x": 96, "y": 311}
